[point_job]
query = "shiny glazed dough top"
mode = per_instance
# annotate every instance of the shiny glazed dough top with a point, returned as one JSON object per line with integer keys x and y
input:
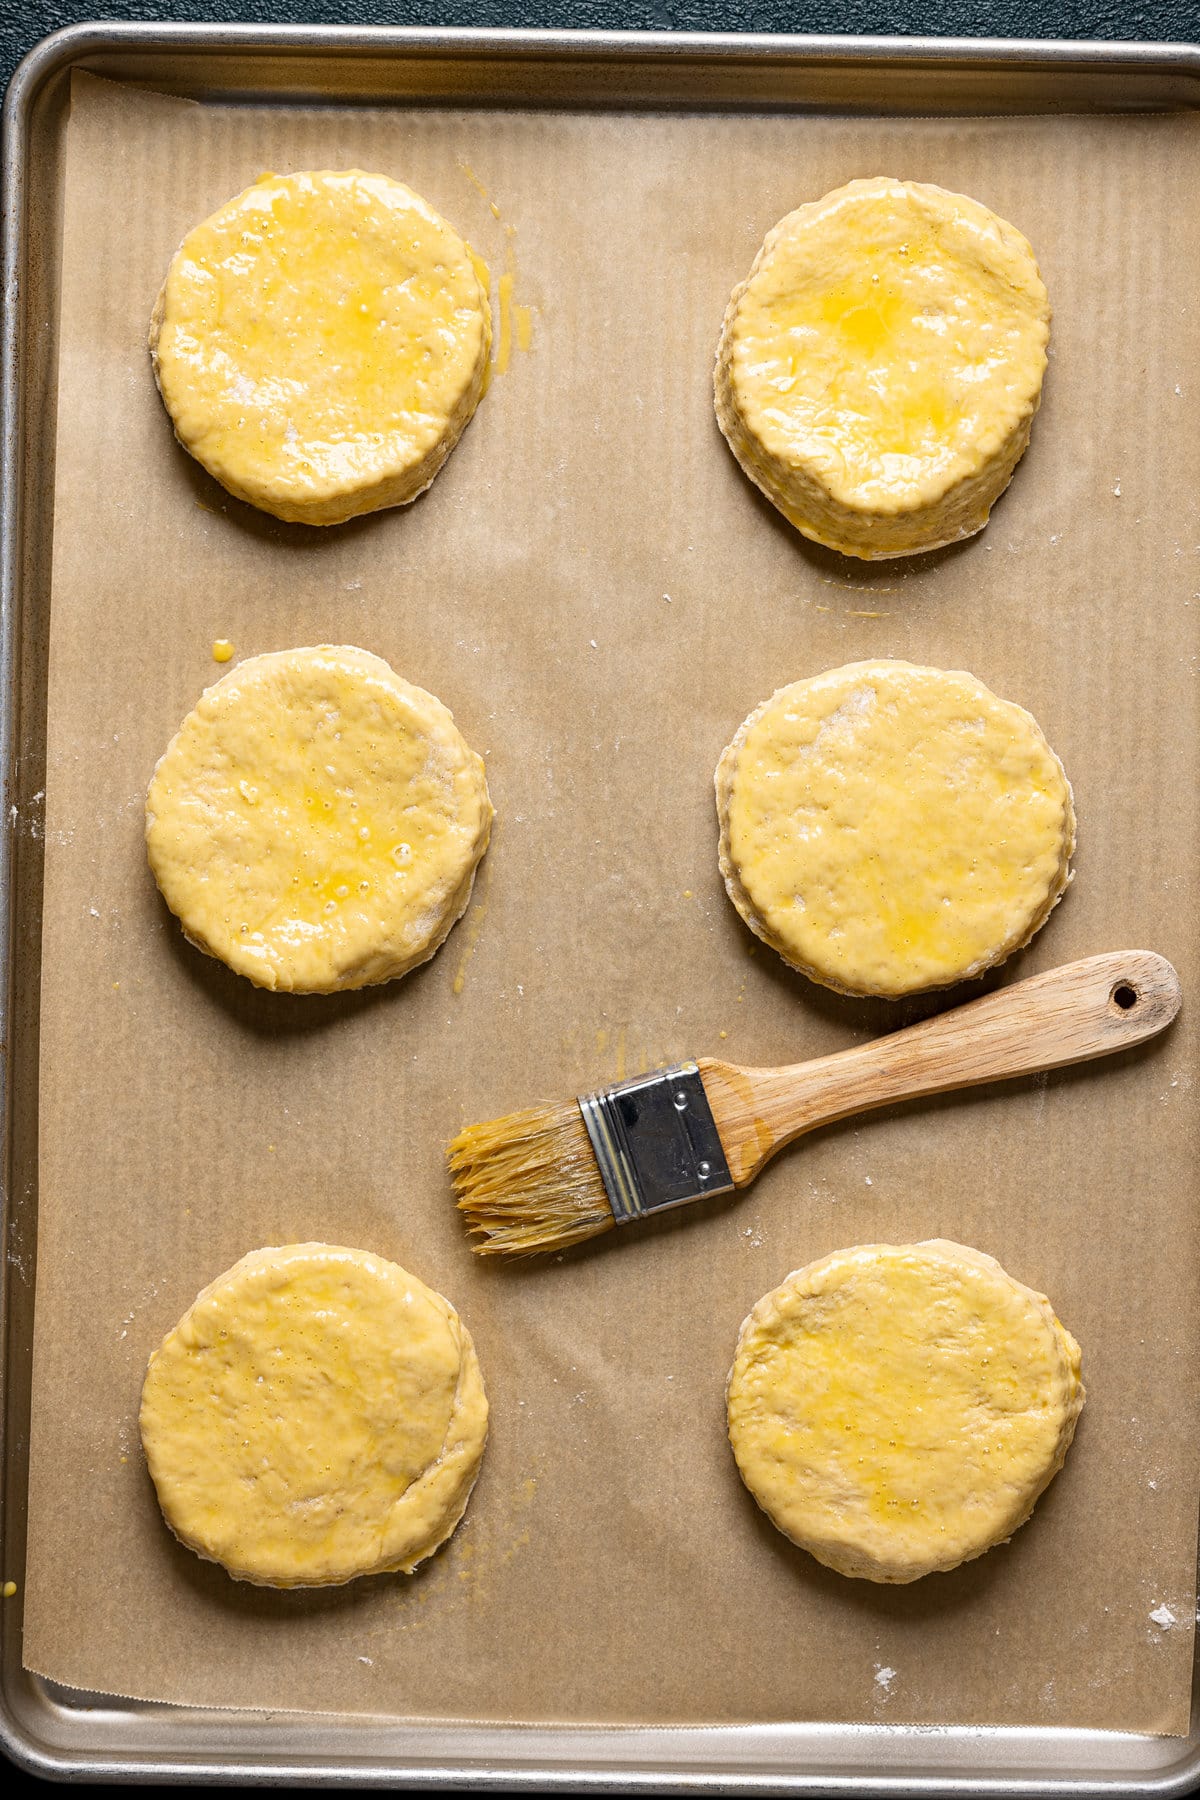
{"x": 890, "y": 339}
{"x": 319, "y": 335}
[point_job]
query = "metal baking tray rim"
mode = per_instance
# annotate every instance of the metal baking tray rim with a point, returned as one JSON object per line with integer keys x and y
{"x": 73, "y": 45}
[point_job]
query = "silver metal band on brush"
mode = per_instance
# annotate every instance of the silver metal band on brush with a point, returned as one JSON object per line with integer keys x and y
{"x": 656, "y": 1142}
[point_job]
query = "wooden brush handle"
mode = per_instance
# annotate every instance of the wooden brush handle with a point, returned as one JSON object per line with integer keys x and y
{"x": 1069, "y": 1015}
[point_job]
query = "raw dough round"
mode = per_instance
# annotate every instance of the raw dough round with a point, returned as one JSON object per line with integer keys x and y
{"x": 316, "y": 822}
{"x": 880, "y": 366}
{"x": 889, "y": 828}
{"x": 317, "y": 1414}
{"x": 320, "y": 342}
{"x": 899, "y": 1410}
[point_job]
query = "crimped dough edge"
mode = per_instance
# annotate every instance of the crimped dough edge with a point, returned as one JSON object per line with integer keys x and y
{"x": 369, "y": 972}
{"x": 336, "y": 505}
{"x": 850, "y": 1560}
{"x": 743, "y": 902}
{"x": 450, "y": 1478}
{"x": 872, "y": 535}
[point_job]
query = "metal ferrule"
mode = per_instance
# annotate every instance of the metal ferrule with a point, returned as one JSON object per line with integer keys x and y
{"x": 656, "y": 1142}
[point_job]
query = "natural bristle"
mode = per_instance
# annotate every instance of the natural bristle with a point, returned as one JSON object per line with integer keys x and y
{"x": 529, "y": 1182}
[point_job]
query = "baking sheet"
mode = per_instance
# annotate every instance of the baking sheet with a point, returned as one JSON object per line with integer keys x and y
{"x": 599, "y": 596}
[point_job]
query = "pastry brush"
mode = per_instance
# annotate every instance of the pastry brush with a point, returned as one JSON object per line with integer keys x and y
{"x": 555, "y": 1175}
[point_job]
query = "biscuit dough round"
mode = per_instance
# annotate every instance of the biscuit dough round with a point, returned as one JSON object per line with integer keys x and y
{"x": 320, "y": 343}
{"x": 880, "y": 366}
{"x": 889, "y": 828}
{"x": 318, "y": 1413}
{"x": 316, "y": 822}
{"x": 898, "y": 1409}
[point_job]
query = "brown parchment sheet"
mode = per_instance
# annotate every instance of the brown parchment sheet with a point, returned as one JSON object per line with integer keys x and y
{"x": 599, "y": 595}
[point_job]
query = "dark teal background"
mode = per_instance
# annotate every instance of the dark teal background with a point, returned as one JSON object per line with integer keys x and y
{"x": 23, "y": 22}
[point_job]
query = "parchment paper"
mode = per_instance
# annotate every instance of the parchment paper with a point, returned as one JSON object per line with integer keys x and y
{"x": 599, "y": 595}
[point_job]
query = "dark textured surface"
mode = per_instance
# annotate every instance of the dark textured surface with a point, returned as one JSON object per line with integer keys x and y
{"x": 23, "y": 22}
